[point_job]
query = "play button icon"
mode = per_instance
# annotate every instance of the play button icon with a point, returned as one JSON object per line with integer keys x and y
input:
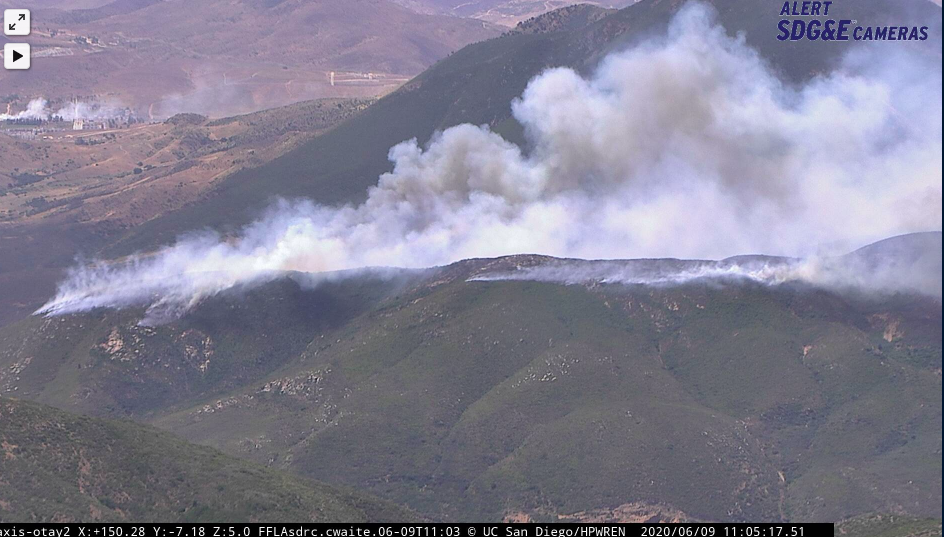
{"x": 16, "y": 56}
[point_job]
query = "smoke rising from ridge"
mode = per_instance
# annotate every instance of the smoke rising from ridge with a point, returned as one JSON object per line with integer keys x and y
{"x": 917, "y": 270}
{"x": 685, "y": 146}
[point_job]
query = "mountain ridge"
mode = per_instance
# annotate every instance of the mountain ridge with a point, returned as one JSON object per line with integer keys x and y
{"x": 469, "y": 399}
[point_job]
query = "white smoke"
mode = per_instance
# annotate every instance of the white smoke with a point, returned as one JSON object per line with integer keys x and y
{"x": 851, "y": 273}
{"x": 688, "y": 146}
{"x": 38, "y": 109}
{"x": 35, "y": 109}
{"x": 90, "y": 111}
{"x": 657, "y": 273}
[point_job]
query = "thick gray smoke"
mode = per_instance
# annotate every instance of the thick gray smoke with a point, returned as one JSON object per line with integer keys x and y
{"x": 688, "y": 146}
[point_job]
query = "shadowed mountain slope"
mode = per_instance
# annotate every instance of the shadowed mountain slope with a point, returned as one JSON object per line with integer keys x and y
{"x": 62, "y": 467}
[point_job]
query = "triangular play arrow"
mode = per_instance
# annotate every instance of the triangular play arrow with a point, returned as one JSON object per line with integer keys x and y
{"x": 16, "y": 55}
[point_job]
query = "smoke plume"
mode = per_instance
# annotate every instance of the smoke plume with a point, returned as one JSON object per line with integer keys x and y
{"x": 93, "y": 111}
{"x": 35, "y": 109}
{"x": 685, "y": 146}
{"x": 906, "y": 264}
{"x": 210, "y": 97}
{"x": 38, "y": 109}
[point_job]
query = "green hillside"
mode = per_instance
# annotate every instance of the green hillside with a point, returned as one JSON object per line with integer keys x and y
{"x": 61, "y": 467}
{"x": 485, "y": 399}
{"x": 106, "y": 364}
